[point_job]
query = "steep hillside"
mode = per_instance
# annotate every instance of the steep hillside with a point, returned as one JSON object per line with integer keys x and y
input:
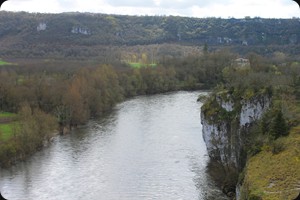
{"x": 251, "y": 130}
{"x": 273, "y": 174}
{"x": 22, "y": 32}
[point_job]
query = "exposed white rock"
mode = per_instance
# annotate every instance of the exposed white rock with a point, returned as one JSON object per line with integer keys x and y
{"x": 223, "y": 141}
{"x": 80, "y": 30}
{"x": 237, "y": 192}
{"x": 41, "y": 27}
{"x": 227, "y": 40}
{"x": 227, "y": 104}
{"x": 216, "y": 139}
{"x": 253, "y": 110}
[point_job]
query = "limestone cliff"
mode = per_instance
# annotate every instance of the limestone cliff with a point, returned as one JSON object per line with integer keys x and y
{"x": 226, "y": 119}
{"x": 80, "y": 30}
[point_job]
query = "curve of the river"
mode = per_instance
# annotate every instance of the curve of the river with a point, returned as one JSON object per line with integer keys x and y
{"x": 149, "y": 147}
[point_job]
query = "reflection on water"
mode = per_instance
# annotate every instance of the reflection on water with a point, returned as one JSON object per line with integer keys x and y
{"x": 149, "y": 147}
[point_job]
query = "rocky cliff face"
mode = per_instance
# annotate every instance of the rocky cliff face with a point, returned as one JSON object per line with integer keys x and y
{"x": 225, "y": 122}
{"x": 253, "y": 110}
{"x": 41, "y": 27}
{"x": 80, "y": 30}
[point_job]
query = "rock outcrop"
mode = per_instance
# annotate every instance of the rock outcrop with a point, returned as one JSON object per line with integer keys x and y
{"x": 226, "y": 120}
{"x": 80, "y": 30}
{"x": 41, "y": 27}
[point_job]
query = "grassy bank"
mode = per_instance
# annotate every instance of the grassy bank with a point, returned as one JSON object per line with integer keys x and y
{"x": 274, "y": 173}
{"x": 2, "y": 62}
{"x": 23, "y": 134}
{"x": 6, "y": 131}
{"x": 7, "y": 124}
{"x": 139, "y": 65}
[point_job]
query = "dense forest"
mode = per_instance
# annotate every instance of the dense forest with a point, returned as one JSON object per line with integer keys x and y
{"x": 82, "y": 35}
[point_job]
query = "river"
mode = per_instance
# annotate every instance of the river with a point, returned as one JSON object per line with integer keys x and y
{"x": 149, "y": 147}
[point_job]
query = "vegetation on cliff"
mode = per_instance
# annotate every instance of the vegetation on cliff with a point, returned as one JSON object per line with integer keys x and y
{"x": 273, "y": 173}
{"x": 267, "y": 140}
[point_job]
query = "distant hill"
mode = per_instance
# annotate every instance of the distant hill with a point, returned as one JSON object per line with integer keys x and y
{"x": 21, "y": 32}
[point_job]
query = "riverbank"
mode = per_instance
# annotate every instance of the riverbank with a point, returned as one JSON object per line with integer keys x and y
{"x": 147, "y": 147}
{"x": 72, "y": 96}
{"x": 24, "y": 134}
{"x": 6, "y": 125}
{"x": 13, "y": 149}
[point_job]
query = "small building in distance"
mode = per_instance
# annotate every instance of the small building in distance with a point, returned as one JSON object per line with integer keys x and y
{"x": 241, "y": 62}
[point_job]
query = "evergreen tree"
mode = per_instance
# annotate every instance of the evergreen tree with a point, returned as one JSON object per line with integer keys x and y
{"x": 279, "y": 126}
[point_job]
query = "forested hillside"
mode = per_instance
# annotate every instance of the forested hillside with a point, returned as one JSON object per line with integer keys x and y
{"x": 90, "y": 35}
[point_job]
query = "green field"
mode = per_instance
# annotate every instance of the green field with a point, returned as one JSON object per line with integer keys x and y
{"x": 6, "y": 131}
{"x": 6, "y": 125}
{"x": 139, "y": 65}
{"x": 2, "y": 62}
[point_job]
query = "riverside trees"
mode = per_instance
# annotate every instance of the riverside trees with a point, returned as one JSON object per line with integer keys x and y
{"x": 66, "y": 96}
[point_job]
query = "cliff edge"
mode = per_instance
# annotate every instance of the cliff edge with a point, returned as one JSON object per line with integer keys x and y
{"x": 227, "y": 118}
{"x": 253, "y": 155}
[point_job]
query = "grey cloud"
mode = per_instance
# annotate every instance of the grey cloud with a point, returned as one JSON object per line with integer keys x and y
{"x": 165, "y": 3}
{"x": 131, "y": 3}
{"x": 67, "y": 3}
{"x": 182, "y": 4}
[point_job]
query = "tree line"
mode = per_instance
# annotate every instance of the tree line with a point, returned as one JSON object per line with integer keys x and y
{"x": 69, "y": 96}
{"x": 49, "y": 98}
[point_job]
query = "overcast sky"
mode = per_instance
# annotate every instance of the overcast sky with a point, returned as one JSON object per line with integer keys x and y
{"x": 190, "y": 8}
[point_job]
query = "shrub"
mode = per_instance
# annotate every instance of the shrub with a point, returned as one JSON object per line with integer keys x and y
{"x": 7, "y": 153}
{"x": 256, "y": 195}
{"x": 278, "y": 146}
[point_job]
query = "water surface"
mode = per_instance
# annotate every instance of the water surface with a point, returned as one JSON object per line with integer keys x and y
{"x": 149, "y": 147}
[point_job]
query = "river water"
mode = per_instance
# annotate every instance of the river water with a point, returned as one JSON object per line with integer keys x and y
{"x": 149, "y": 147}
